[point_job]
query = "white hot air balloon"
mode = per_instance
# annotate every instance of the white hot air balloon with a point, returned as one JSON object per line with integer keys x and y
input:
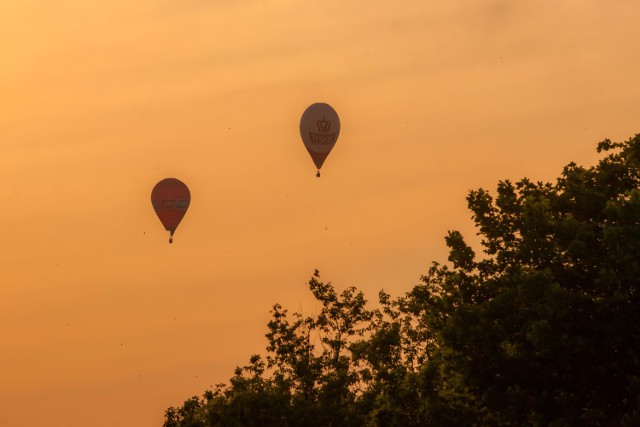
{"x": 319, "y": 129}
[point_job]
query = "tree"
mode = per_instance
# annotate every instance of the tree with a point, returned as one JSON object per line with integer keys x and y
{"x": 541, "y": 330}
{"x": 313, "y": 381}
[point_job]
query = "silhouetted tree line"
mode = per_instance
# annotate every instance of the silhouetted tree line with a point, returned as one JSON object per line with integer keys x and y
{"x": 543, "y": 330}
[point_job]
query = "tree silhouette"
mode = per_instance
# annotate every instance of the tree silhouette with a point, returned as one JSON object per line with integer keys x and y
{"x": 541, "y": 330}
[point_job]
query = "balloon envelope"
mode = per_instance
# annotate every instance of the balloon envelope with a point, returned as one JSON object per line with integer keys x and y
{"x": 319, "y": 129}
{"x": 170, "y": 199}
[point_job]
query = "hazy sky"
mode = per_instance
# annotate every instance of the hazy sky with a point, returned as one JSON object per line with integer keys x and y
{"x": 103, "y": 323}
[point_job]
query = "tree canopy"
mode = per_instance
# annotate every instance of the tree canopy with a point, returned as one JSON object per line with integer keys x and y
{"x": 541, "y": 330}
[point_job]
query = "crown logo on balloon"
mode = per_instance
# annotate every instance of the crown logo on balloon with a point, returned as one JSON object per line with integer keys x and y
{"x": 323, "y": 125}
{"x": 323, "y": 138}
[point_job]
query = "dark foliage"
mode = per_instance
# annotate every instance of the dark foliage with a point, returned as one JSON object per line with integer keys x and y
{"x": 541, "y": 331}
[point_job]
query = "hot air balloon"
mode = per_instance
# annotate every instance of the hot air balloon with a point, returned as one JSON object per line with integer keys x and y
{"x": 170, "y": 199}
{"x": 319, "y": 128}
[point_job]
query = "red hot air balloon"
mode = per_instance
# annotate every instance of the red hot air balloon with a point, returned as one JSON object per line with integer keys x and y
{"x": 170, "y": 199}
{"x": 319, "y": 129}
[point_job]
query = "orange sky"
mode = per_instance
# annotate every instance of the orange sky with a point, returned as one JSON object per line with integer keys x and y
{"x": 103, "y": 323}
